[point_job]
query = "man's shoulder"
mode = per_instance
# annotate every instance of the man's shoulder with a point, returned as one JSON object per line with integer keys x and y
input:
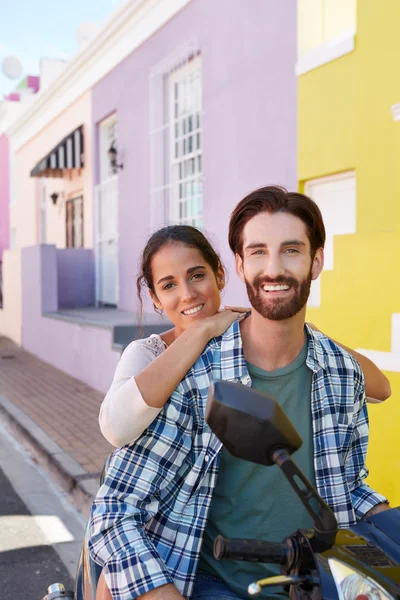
{"x": 333, "y": 355}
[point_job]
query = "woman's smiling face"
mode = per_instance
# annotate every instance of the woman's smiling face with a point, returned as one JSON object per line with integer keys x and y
{"x": 185, "y": 285}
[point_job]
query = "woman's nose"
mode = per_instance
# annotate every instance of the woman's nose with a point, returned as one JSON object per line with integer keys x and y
{"x": 188, "y": 293}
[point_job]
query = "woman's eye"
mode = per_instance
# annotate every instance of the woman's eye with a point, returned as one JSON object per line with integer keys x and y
{"x": 198, "y": 276}
{"x": 168, "y": 286}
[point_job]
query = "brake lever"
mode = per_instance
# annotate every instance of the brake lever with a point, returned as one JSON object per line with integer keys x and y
{"x": 256, "y": 587}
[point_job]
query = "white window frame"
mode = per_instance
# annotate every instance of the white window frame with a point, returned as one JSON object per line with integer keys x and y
{"x": 76, "y": 224}
{"x": 185, "y": 107}
{"x": 346, "y": 224}
{"x": 13, "y": 238}
{"x": 327, "y": 52}
{"x": 108, "y": 136}
{"x": 169, "y": 174}
{"x": 43, "y": 211}
{"x": 316, "y": 19}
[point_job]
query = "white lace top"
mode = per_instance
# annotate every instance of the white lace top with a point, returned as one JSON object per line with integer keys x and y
{"x": 124, "y": 414}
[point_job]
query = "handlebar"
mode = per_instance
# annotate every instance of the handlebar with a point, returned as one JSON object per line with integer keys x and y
{"x": 249, "y": 550}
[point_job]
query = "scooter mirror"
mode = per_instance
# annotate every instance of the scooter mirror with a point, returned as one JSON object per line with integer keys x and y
{"x": 250, "y": 424}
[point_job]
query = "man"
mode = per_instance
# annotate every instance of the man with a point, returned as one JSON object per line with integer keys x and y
{"x": 166, "y": 498}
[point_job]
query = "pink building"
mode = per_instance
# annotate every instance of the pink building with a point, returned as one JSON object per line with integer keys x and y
{"x": 4, "y": 194}
{"x": 10, "y": 107}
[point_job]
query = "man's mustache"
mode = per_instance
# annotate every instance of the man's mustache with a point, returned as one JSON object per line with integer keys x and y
{"x": 261, "y": 280}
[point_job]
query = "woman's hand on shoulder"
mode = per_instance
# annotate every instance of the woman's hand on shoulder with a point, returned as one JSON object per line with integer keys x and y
{"x": 222, "y": 320}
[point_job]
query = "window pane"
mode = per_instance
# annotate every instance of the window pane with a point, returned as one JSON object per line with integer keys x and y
{"x": 187, "y": 142}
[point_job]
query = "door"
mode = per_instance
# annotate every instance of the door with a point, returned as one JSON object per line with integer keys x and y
{"x": 106, "y": 219}
{"x": 107, "y": 242}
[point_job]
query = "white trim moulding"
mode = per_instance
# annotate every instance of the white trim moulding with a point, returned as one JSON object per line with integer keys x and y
{"x": 396, "y": 112}
{"x": 339, "y": 46}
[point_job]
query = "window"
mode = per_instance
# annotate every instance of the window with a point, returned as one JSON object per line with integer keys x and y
{"x": 336, "y": 198}
{"x": 176, "y": 181}
{"x": 43, "y": 211}
{"x": 325, "y": 31}
{"x": 185, "y": 151}
{"x": 13, "y": 238}
{"x": 108, "y": 138}
{"x": 74, "y": 222}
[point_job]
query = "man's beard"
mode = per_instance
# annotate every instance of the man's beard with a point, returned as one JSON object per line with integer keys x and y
{"x": 279, "y": 309}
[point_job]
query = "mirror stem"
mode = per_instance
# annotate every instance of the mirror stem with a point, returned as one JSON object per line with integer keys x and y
{"x": 325, "y": 524}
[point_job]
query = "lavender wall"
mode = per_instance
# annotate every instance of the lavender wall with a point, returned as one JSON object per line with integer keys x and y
{"x": 4, "y": 195}
{"x": 83, "y": 352}
{"x": 249, "y": 129}
{"x": 75, "y": 275}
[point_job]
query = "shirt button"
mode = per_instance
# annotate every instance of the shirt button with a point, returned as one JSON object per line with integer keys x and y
{"x": 206, "y": 458}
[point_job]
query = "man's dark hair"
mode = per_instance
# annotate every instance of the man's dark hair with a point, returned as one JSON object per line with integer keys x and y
{"x": 275, "y": 199}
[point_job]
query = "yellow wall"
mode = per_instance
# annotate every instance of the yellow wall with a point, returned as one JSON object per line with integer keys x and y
{"x": 345, "y": 122}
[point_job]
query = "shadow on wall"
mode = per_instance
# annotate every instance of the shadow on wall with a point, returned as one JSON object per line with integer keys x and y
{"x": 75, "y": 278}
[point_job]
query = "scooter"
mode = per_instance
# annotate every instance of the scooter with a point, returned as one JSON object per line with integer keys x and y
{"x": 324, "y": 563}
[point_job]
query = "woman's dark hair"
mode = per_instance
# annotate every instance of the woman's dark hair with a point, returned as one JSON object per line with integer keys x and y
{"x": 173, "y": 234}
{"x": 274, "y": 199}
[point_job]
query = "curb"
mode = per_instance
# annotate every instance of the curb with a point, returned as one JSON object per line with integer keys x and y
{"x": 80, "y": 485}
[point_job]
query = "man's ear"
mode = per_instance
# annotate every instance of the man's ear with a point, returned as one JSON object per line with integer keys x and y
{"x": 239, "y": 267}
{"x": 318, "y": 263}
{"x": 155, "y": 300}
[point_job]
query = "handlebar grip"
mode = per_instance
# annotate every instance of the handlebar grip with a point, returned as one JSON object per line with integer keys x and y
{"x": 248, "y": 550}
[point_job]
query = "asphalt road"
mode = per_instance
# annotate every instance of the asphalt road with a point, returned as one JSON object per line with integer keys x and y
{"x": 40, "y": 531}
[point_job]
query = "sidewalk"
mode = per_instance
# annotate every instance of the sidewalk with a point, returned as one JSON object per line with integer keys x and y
{"x": 56, "y": 417}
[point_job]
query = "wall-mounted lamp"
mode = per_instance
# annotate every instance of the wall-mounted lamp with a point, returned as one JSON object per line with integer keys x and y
{"x": 112, "y": 157}
{"x": 54, "y": 197}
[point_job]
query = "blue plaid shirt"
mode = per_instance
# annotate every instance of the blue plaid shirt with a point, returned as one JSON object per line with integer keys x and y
{"x": 148, "y": 518}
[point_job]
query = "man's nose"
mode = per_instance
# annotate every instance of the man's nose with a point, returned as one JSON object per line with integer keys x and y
{"x": 274, "y": 266}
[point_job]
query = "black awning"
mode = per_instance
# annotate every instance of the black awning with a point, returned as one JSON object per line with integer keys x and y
{"x": 68, "y": 154}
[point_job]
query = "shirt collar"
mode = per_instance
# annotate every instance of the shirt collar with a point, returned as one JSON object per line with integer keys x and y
{"x": 233, "y": 362}
{"x": 316, "y": 356}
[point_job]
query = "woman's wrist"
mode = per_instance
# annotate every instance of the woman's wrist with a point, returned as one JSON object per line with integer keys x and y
{"x": 202, "y": 330}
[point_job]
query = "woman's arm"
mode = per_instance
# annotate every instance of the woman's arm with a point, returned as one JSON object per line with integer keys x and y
{"x": 142, "y": 384}
{"x": 159, "y": 379}
{"x": 377, "y": 385}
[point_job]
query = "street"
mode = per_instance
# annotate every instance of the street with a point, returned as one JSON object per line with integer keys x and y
{"x": 40, "y": 531}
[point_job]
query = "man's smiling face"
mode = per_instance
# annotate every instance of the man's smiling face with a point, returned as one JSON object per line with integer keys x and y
{"x": 277, "y": 266}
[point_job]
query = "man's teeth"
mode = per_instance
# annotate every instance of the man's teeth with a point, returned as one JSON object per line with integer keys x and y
{"x": 194, "y": 310}
{"x": 275, "y": 288}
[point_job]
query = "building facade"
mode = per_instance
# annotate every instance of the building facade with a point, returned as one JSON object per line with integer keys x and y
{"x": 348, "y": 161}
{"x": 177, "y": 117}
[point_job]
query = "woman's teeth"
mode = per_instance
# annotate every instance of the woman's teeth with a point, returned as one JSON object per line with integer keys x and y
{"x": 194, "y": 310}
{"x": 275, "y": 288}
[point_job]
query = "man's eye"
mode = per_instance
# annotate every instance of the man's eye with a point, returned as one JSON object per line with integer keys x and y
{"x": 291, "y": 251}
{"x": 258, "y": 252}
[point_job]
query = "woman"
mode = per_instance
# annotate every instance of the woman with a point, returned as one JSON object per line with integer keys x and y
{"x": 184, "y": 276}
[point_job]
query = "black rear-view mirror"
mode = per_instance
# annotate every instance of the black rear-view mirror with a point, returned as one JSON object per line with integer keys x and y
{"x": 250, "y": 424}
